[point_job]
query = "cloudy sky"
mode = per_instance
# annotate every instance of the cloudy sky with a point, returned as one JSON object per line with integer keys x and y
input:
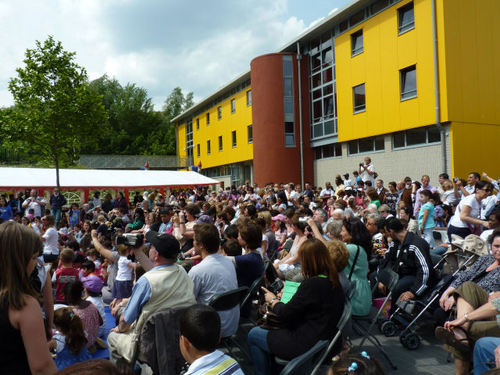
{"x": 157, "y": 44}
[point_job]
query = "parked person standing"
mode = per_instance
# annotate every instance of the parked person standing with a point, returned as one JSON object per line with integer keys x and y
{"x": 57, "y": 201}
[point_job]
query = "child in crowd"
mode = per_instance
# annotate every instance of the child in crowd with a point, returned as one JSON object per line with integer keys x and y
{"x": 93, "y": 292}
{"x": 74, "y": 215}
{"x": 356, "y": 364}
{"x": 64, "y": 274}
{"x": 426, "y": 215}
{"x": 199, "y": 336}
{"x": 122, "y": 287}
{"x": 69, "y": 342}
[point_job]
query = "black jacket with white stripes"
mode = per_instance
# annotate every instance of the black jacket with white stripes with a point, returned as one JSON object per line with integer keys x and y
{"x": 412, "y": 257}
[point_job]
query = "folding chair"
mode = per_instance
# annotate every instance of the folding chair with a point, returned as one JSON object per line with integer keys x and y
{"x": 303, "y": 364}
{"x": 390, "y": 279}
{"x": 226, "y": 301}
{"x": 346, "y": 315}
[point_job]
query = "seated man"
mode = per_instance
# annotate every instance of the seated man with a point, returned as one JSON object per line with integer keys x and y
{"x": 408, "y": 256}
{"x": 199, "y": 329}
{"x": 166, "y": 285}
{"x": 214, "y": 275}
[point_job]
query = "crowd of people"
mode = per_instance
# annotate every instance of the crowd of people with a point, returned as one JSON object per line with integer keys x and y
{"x": 177, "y": 249}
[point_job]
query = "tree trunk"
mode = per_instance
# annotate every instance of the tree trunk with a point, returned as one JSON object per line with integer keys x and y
{"x": 57, "y": 172}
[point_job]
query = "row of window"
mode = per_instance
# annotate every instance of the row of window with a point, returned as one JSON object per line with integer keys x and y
{"x": 408, "y": 89}
{"x": 219, "y": 109}
{"x": 406, "y": 22}
{"x": 233, "y": 141}
{"x": 400, "y": 140}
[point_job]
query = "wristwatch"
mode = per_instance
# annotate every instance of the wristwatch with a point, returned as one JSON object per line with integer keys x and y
{"x": 466, "y": 317}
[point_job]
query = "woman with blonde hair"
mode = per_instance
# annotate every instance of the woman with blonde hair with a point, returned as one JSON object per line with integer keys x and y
{"x": 23, "y": 346}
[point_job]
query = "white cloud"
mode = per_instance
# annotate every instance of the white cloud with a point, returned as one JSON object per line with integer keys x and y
{"x": 158, "y": 44}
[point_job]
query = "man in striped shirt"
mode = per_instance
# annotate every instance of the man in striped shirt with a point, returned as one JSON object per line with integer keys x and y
{"x": 199, "y": 335}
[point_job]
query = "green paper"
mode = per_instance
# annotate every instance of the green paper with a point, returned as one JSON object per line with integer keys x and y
{"x": 289, "y": 291}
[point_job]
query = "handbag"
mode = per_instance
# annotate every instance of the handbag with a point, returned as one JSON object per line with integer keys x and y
{"x": 267, "y": 319}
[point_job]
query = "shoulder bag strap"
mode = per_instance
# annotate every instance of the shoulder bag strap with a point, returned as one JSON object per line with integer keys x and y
{"x": 354, "y": 263}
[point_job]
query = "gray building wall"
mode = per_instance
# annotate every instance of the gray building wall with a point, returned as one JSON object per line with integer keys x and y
{"x": 391, "y": 165}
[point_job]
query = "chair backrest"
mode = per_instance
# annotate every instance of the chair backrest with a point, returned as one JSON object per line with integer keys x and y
{"x": 158, "y": 343}
{"x": 304, "y": 364}
{"x": 389, "y": 278}
{"x": 228, "y": 300}
{"x": 253, "y": 289}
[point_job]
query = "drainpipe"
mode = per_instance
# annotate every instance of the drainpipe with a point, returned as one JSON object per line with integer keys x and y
{"x": 301, "y": 140}
{"x": 436, "y": 87}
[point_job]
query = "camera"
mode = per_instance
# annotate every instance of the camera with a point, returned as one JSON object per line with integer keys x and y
{"x": 130, "y": 239}
{"x": 456, "y": 179}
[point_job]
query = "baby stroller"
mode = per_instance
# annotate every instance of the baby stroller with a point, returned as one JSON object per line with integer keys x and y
{"x": 463, "y": 254}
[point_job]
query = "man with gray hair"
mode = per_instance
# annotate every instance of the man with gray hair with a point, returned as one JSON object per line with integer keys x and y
{"x": 338, "y": 214}
{"x": 320, "y": 216}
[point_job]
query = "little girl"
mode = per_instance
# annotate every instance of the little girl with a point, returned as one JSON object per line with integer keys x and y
{"x": 122, "y": 287}
{"x": 426, "y": 215}
{"x": 74, "y": 215}
{"x": 69, "y": 341}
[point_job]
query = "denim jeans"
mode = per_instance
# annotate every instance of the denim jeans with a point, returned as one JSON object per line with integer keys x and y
{"x": 56, "y": 212}
{"x": 483, "y": 354}
{"x": 259, "y": 351}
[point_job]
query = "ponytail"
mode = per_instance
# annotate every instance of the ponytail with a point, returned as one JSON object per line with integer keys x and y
{"x": 71, "y": 327}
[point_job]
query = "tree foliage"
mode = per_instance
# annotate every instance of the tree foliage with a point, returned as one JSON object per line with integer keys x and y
{"x": 54, "y": 109}
{"x": 132, "y": 126}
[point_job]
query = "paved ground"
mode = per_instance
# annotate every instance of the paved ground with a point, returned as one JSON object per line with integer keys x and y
{"x": 429, "y": 358}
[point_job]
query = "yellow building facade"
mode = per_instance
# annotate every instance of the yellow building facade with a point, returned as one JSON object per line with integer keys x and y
{"x": 414, "y": 84}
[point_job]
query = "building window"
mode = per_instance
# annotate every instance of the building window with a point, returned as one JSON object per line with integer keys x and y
{"x": 250, "y": 133}
{"x": 358, "y": 98}
{"x": 249, "y": 97}
{"x": 233, "y": 105}
{"x": 408, "y": 82}
{"x": 197, "y": 124}
{"x": 406, "y": 18}
{"x": 378, "y": 6}
{"x": 288, "y": 101}
{"x": 364, "y": 145}
{"x": 323, "y": 88}
{"x": 357, "y": 43}
{"x": 416, "y": 137}
{"x": 198, "y": 150}
{"x": 357, "y": 18}
{"x": 208, "y": 148}
{"x": 208, "y": 118}
{"x": 328, "y": 151}
{"x": 220, "y": 142}
{"x": 219, "y": 112}
{"x": 189, "y": 142}
{"x": 289, "y": 134}
{"x": 233, "y": 136}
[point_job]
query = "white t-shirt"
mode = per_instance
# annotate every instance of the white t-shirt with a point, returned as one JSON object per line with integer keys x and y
{"x": 50, "y": 245}
{"x": 125, "y": 273}
{"x": 365, "y": 176}
{"x": 475, "y": 206}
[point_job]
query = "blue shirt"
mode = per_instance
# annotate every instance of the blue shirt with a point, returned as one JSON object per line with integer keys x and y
{"x": 6, "y": 213}
{"x": 429, "y": 223}
{"x": 141, "y": 294}
{"x": 215, "y": 275}
{"x": 215, "y": 363}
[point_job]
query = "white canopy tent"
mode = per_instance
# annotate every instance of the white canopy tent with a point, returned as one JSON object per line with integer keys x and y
{"x": 98, "y": 179}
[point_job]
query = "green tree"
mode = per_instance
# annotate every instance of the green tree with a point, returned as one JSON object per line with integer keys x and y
{"x": 55, "y": 113}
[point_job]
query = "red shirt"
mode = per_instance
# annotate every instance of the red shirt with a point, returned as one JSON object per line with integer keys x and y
{"x": 63, "y": 277}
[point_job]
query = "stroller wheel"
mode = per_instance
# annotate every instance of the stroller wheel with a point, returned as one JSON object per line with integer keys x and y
{"x": 388, "y": 328}
{"x": 410, "y": 340}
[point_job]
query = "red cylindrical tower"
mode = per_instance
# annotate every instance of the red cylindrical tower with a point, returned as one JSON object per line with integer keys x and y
{"x": 273, "y": 161}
